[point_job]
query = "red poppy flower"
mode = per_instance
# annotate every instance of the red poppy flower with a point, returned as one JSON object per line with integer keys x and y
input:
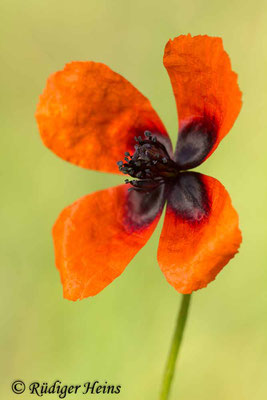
{"x": 90, "y": 116}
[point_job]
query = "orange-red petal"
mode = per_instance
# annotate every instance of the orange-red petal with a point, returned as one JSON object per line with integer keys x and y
{"x": 204, "y": 86}
{"x": 98, "y": 235}
{"x": 200, "y": 232}
{"x": 89, "y": 115}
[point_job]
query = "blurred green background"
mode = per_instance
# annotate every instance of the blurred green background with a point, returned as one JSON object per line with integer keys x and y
{"x": 123, "y": 334}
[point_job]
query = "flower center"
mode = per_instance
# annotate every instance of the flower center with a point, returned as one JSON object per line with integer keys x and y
{"x": 150, "y": 164}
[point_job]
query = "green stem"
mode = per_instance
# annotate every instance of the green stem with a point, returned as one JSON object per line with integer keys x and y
{"x": 175, "y": 346}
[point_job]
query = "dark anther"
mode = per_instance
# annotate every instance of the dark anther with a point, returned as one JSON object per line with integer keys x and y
{"x": 150, "y": 164}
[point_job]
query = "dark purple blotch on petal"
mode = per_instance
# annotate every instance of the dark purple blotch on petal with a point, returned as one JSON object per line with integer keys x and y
{"x": 195, "y": 141}
{"x": 188, "y": 197}
{"x": 143, "y": 207}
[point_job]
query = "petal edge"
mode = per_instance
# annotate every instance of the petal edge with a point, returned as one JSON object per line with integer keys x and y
{"x": 96, "y": 237}
{"x": 203, "y": 83}
{"x": 195, "y": 246}
{"x": 88, "y": 115}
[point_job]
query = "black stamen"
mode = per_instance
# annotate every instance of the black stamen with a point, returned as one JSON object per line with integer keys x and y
{"x": 150, "y": 164}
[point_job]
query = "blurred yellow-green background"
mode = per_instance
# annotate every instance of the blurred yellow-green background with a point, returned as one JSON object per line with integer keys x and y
{"x": 122, "y": 335}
